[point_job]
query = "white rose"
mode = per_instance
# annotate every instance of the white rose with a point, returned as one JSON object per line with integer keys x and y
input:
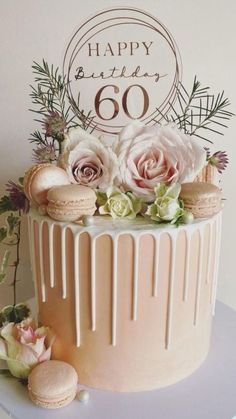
{"x": 166, "y": 207}
{"x": 87, "y": 160}
{"x": 151, "y": 155}
{"x": 119, "y": 204}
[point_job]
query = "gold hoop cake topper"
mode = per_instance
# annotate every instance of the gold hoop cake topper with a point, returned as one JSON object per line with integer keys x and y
{"x": 123, "y": 64}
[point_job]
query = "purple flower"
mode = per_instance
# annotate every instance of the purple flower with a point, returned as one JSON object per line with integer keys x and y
{"x": 17, "y": 197}
{"x": 219, "y": 159}
{"x": 44, "y": 153}
{"x": 54, "y": 125}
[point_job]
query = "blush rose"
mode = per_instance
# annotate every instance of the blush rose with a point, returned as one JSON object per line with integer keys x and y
{"x": 87, "y": 160}
{"x": 152, "y": 155}
{"x": 22, "y": 346}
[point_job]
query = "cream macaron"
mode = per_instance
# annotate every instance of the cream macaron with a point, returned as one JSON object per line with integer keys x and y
{"x": 40, "y": 178}
{"x": 53, "y": 384}
{"x": 71, "y": 202}
{"x": 202, "y": 199}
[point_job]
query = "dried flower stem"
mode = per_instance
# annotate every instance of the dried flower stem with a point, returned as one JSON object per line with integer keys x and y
{"x": 17, "y": 261}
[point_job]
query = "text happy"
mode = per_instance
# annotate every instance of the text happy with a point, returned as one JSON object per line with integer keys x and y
{"x": 120, "y": 48}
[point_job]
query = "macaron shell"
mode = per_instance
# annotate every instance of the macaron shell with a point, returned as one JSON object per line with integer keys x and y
{"x": 52, "y": 384}
{"x": 68, "y": 214}
{"x": 71, "y": 193}
{"x": 52, "y": 404}
{"x": 40, "y": 178}
{"x": 202, "y": 199}
{"x": 71, "y": 202}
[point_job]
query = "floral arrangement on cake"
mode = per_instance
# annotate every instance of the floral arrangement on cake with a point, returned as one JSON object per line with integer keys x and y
{"x": 143, "y": 174}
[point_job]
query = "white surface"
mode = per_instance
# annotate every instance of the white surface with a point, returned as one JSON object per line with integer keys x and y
{"x": 208, "y": 394}
{"x": 30, "y": 30}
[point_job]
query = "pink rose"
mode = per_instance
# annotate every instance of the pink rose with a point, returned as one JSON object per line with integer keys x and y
{"x": 152, "y": 155}
{"x": 87, "y": 160}
{"x": 23, "y": 346}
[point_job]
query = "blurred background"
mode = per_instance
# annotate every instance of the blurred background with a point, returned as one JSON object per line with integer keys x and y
{"x": 205, "y": 33}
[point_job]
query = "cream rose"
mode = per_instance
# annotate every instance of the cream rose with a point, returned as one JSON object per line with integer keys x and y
{"x": 151, "y": 155}
{"x": 119, "y": 204}
{"x": 167, "y": 206}
{"x": 23, "y": 346}
{"x": 87, "y": 160}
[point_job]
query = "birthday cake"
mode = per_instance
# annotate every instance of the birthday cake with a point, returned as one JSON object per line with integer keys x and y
{"x": 125, "y": 207}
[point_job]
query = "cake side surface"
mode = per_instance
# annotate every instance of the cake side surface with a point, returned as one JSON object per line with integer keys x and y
{"x": 131, "y": 307}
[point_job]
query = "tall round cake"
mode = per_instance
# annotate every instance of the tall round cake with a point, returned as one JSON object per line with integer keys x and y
{"x": 131, "y": 304}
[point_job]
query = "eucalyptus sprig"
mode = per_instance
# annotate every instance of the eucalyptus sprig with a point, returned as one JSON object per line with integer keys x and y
{"x": 50, "y": 91}
{"x": 57, "y": 112}
{"x": 198, "y": 111}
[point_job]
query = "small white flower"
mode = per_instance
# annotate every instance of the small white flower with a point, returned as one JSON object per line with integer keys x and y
{"x": 119, "y": 204}
{"x": 166, "y": 207}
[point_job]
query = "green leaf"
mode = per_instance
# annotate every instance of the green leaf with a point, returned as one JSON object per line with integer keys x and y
{"x": 8, "y": 314}
{"x": 3, "y": 233}
{"x": 5, "y": 204}
{"x": 101, "y": 198}
{"x": 1, "y": 319}
{"x": 14, "y": 314}
{"x": 4, "y": 265}
{"x": 22, "y": 311}
{"x": 13, "y": 222}
{"x": 2, "y": 277}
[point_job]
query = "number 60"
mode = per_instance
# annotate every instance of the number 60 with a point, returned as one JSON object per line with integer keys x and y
{"x": 115, "y": 104}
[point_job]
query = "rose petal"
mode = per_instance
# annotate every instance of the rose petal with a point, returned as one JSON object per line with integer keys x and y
{"x": 3, "y": 349}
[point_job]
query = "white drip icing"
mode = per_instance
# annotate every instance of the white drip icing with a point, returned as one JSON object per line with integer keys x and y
{"x": 188, "y": 236}
{"x": 114, "y": 289}
{"x": 63, "y": 261}
{"x": 77, "y": 288}
{"x": 41, "y": 264}
{"x": 93, "y": 282}
{"x": 29, "y": 222}
{"x": 217, "y": 260}
{"x": 209, "y": 257}
{"x": 32, "y": 256}
{"x": 156, "y": 264}
{"x": 173, "y": 239}
{"x": 51, "y": 254}
{"x": 135, "y": 276}
{"x": 199, "y": 277}
{"x": 136, "y": 235}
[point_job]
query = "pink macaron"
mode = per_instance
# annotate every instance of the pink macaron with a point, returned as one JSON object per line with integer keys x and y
{"x": 71, "y": 202}
{"x": 40, "y": 178}
{"x": 53, "y": 384}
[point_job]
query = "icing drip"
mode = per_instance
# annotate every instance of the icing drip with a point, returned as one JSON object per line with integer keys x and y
{"x": 29, "y": 223}
{"x": 41, "y": 265}
{"x": 199, "y": 277}
{"x": 217, "y": 260}
{"x": 136, "y": 277}
{"x": 63, "y": 261}
{"x": 212, "y": 253}
{"x": 156, "y": 264}
{"x": 93, "y": 282}
{"x": 188, "y": 235}
{"x": 77, "y": 288}
{"x": 209, "y": 257}
{"x": 170, "y": 290}
{"x": 51, "y": 255}
{"x": 32, "y": 256}
{"x": 114, "y": 290}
